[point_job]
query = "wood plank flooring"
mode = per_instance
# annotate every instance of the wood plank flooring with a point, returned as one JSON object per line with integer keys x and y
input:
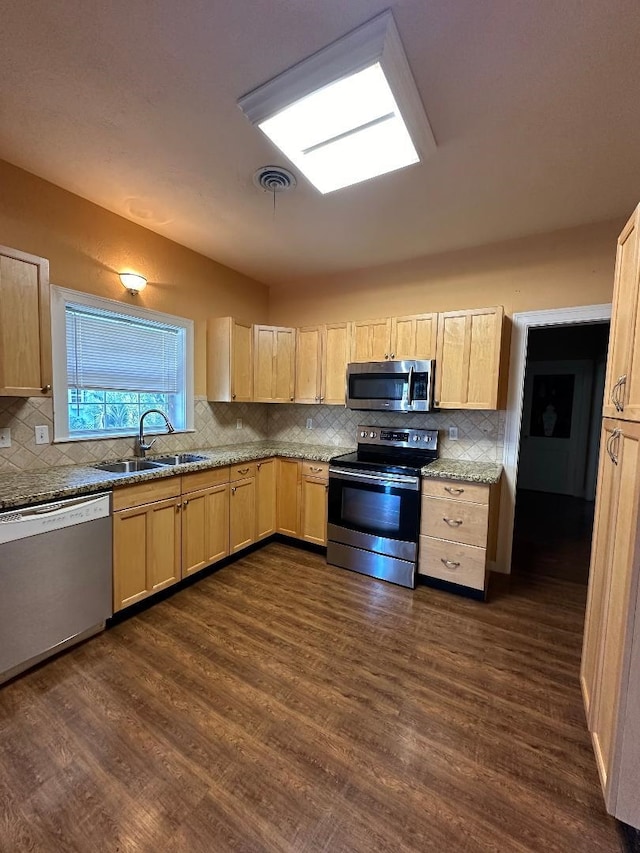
{"x": 284, "y": 705}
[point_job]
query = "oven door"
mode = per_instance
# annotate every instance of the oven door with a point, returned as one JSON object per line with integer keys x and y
{"x": 375, "y": 511}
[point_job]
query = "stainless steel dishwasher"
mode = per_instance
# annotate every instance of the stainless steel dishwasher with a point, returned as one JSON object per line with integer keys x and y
{"x": 55, "y": 578}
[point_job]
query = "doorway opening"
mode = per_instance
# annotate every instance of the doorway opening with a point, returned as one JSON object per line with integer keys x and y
{"x": 558, "y": 450}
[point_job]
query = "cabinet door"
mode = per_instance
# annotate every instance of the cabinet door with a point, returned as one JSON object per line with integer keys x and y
{"x": 25, "y": 325}
{"x": 309, "y": 347}
{"x": 241, "y": 363}
{"x": 414, "y": 337}
{"x": 146, "y": 551}
{"x": 468, "y": 358}
{"x": 284, "y": 365}
{"x": 313, "y": 526}
{"x": 288, "y": 497}
{"x": 265, "y": 498}
{"x": 371, "y": 340}
{"x": 242, "y": 514}
{"x": 601, "y": 545}
{"x": 617, "y": 622}
{"x": 334, "y": 364}
{"x": 274, "y": 364}
{"x": 623, "y": 364}
{"x": 205, "y": 528}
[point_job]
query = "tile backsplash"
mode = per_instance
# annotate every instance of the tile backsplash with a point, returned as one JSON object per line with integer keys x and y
{"x": 480, "y": 434}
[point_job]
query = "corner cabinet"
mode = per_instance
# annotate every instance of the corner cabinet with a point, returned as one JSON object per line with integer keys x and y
{"x": 25, "y": 325}
{"x": 610, "y": 674}
{"x": 468, "y": 358}
{"x": 229, "y": 361}
{"x": 622, "y": 387}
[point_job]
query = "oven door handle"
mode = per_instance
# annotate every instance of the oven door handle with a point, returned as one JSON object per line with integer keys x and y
{"x": 401, "y": 481}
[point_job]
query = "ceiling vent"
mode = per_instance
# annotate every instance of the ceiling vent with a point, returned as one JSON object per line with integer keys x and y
{"x": 274, "y": 179}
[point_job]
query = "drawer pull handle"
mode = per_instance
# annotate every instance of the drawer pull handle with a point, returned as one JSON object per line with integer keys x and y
{"x": 453, "y": 522}
{"x": 312, "y": 468}
{"x": 243, "y": 470}
{"x": 450, "y": 564}
{"x": 453, "y": 490}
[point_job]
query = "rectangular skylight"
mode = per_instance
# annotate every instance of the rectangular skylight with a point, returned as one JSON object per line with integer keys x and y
{"x": 348, "y": 113}
{"x": 345, "y": 132}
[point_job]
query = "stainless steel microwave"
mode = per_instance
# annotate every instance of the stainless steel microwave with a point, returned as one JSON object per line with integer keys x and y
{"x": 391, "y": 386}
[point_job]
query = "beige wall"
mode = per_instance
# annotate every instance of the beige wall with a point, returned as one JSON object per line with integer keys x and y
{"x": 562, "y": 269}
{"x": 87, "y": 246}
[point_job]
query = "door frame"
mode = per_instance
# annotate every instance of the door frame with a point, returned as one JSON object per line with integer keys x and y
{"x": 522, "y": 323}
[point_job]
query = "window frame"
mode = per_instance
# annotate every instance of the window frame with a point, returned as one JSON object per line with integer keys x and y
{"x": 63, "y": 296}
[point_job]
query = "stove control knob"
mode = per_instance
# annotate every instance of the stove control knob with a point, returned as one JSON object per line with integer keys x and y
{"x": 363, "y": 434}
{"x": 416, "y": 438}
{"x": 372, "y": 435}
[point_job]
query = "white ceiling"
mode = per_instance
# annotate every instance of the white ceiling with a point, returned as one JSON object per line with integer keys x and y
{"x": 534, "y": 104}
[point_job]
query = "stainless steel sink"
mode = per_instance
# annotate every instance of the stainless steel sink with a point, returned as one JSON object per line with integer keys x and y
{"x": 128, "y": 466}
{"x": 179, "y": 459}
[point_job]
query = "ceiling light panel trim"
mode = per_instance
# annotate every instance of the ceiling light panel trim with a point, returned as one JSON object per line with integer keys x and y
{"x": 348, "y": 54}
{"x": 378, "y": 40}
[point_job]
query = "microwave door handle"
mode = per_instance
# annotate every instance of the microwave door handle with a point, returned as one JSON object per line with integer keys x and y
{"x": 410, "y": 386}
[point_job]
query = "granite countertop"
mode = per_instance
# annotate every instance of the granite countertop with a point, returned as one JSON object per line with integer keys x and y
{"x": 486, "y": 473}
{"x": 30, "y": 487}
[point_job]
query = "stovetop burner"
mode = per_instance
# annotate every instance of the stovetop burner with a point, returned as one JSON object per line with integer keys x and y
{"x": 392, "y": 450}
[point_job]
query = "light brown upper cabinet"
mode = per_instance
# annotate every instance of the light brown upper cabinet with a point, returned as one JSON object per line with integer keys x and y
{"x": 274, "y": 358}
{"x": 25, "y": 325}
{"x": 413, "y": 337}
{"x": 622, "y": 388}
{"x": 229, "y": 361}
{"x": 468, "y": 358}
{"x": 321, "y": 362}
{"x": 371, "y": 340}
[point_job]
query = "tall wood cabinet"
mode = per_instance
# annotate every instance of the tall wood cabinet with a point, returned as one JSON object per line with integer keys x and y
{"x": 610, "y": 675}
{"x": 25, "y": 325}
{"x": 622, "y": 387}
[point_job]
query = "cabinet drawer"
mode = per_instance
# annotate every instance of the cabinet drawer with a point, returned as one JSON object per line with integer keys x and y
{"x": 145, "y": 493}
{"x": 204, "y": 479}
{"x": 456, "y": 521}
{"x": 456, "y": 490}
{"x": 242, "y": 472}
{"x": 450, "y": 561}
{"x": 315, "y": 469}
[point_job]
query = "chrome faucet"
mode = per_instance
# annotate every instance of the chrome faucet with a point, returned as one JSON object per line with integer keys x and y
{"x": 142, "y": 445}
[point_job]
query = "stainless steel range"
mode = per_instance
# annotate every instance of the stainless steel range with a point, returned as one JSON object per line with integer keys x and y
{"x": 374, "y": 502}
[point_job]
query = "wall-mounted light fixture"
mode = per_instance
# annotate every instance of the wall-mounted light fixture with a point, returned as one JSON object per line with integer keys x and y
{"x": 133, "y": 282}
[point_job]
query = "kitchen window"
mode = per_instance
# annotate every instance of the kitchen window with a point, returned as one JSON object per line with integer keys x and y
{"x": 112, "y": 362}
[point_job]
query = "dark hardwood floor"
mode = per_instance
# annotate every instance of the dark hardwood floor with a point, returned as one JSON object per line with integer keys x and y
{"x": 552, "y": 535}
{"x": 284, "y": 705}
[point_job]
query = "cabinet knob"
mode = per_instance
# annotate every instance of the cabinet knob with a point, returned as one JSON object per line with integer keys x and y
{"x": 233, "y": 396}
{"x": 185, "y": 503}
{"x": 259, "y": 465}
{"x": 386, "y": 355}
{"x": 233, "y": 490}
{"x": 45, "y": 389}
{"x": 322, "y": 399}
{"x": 393, "y": 355}
{"x": 291, "y": 398}
{"x": 178, "y": 507}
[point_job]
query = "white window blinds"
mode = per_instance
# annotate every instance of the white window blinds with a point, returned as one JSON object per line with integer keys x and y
{"x": 116, "y": 352}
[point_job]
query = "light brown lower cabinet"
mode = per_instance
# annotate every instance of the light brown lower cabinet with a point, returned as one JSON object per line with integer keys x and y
{"x": 165, "y": 530}
{"x": 610, "y": 673}
{"x": 313, "y": 510}
{"x": 266, "y": 521}
{"x": 458, "y": 532}
{"x": 146, "y": 550}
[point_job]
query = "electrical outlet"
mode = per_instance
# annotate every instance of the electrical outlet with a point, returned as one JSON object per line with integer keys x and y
{"x": 453, "y": 433}
{"x": 5, "y": 437}
{"x": 238, "y": 423}
{"x": 42, "y": 435}
{"x": 309, "y": 423}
